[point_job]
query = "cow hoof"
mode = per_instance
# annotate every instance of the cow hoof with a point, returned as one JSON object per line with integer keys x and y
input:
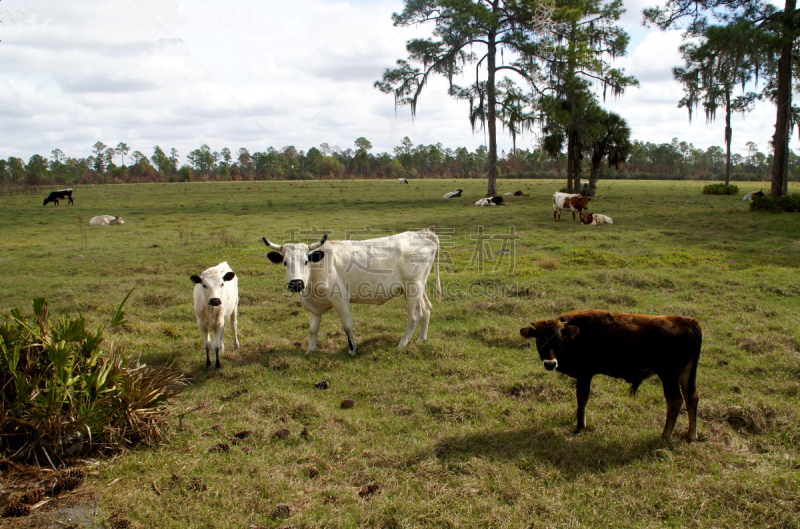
{"x": 217, "y": 365}
{"x": 351, "y": 351}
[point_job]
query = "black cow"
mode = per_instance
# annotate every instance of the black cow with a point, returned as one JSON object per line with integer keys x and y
{"x": 633, "y": 347}
{"x": 60, "y": 194}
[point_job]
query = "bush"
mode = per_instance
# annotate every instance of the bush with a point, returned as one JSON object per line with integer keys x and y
{"x": 720, "y": 189}
{"x": 62, "y": 394}
{"x": 767, "y": 204}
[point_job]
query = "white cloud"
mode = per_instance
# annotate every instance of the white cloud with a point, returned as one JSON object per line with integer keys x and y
{"x": 260, "y": 73}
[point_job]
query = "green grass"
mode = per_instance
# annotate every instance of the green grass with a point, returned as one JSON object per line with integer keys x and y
{"x": 466, "y": 430}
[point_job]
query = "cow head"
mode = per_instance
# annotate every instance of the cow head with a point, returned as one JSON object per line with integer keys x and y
{"x": 586, "y": 217}
{"x": 119, "y": 220}
{"x": 550, "y": 336}
{"x": 212, "y": 282}
{"x": 296, "y": 257}
{"x": 582, "y": 202}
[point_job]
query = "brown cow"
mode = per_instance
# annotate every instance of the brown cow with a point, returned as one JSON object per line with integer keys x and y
{"x": 567, "y": 202}
{"x": 633, "y": 347}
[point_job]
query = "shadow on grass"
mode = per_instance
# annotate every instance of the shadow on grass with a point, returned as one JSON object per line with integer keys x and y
{"x": 531, "y": 448}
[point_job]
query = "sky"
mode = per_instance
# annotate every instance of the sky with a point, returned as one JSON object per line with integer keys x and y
{"x": 261, "y": 73}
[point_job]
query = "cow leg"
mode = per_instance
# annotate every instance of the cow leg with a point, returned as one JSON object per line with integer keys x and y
{"x": 672, "y": 394}
{"x": 414, "y": 305}
{"x": 426, "y": 317}
{"x": 583, "y": 386}
{"x": 234, "y": 315}
{"x": 347, "y": 326}
{"x": 689, "y": 390}
{"x": 314, "y": 320}
{"x": 206, "y": 343}
{"x": 219, "y": 345}
{"x": 573, "y": 215}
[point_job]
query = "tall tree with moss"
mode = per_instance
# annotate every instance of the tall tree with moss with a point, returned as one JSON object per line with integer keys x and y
{"x": 763, "y": 34}
{"x": 497, "y": 29}
{"x": 710, "y": 75}
{"x": 579, "y": 54}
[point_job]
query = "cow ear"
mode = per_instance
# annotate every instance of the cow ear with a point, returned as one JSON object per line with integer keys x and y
{"x": 275, "y": 257}
{"x": 526, "y": 332}
{"x": 228, "y": 276}
{"x": 570, "y": 331}
{"x": 196, "y": 279}
{"x": 316, "y": 256}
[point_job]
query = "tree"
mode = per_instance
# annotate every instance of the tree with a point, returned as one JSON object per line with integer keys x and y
{"x": 174, "y": 159}
{"x": 161, "y": 161}
{"x": 363, "y": 144}
{"x": 99, "y": 150}
{"x": 497, "y": 27}
{"x": 764, "y": 35}
{"x": 710, "y": 75}
{"x": 122, "y": 149}
{"x": 578, "y": 52}
{"x": 611, "y": 141}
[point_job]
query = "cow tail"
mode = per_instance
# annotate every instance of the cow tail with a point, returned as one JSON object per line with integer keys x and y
{"x": 692, "y": 385}
{"x": 434, "y": 239}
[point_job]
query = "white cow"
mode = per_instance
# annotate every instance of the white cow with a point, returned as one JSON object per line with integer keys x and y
{"x": 453, "y": 194}
{"x": 402, "y": 181}
{"x": 368, "y": 272}
{"x": 749, "y": 196}
{"x": 595, "y": 219}
{"x": 106, "y": 220}
{"x": 216, "y": 297}
{"x": 490, "y": 201}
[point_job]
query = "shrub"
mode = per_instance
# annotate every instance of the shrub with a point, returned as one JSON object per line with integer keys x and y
{"x": 64, "y": 394}
{"x": 720, "y": 189}
{"x": 767, "y": 204}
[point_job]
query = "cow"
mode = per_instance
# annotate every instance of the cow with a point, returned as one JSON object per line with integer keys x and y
{"x": 333, "y": 274}
{"x": 106, "y": 220}
{"x": 216, "y": 297}
{"x": 402, "y": 181}
{"x": 749, "y": 196}
{"x": 490, "y": 201}
{"x": 55, "y": 196}
{"x": 453, "y": 194}
{"x": 633, "y": 347}
{"x": 595, "y": 219}
{"x": 567, "y": 202}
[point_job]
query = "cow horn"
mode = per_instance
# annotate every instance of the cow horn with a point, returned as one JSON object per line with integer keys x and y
{"x": 273, "y": 246}
{"x": 318, "y": 244}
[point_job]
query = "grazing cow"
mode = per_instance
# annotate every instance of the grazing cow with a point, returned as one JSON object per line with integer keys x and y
{"x": 633, "y": 347}
{"x": 55, "y": 196}
{"x": 106, "y": 220}
{"x": 402, "y": 181}
{"x": 490, "y": 201}
{"x": 595, "y": 218}
{"x": 567, "y": 202}
{"x": 216, "y": 297}
{"x": 453, "y": 194}
{"x": 749, "y": 196}
{"x": 368, "y": 272}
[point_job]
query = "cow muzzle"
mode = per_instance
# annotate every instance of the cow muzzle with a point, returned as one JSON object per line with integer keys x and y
{"x": 296, "y": 285}
{"x": 215, "y": 302}
{"x": 550, "y": 364}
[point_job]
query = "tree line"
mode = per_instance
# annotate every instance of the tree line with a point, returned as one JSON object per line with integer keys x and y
{"x": 673, "y": 160}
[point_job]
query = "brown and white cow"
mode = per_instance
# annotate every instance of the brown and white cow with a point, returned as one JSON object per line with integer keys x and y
{"x": 633, "y": 347}
{"x": 595, "y": 219}
{"x": 568, "y": 202}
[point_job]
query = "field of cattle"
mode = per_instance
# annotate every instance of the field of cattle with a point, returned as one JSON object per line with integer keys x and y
{"x": 468, "y": 429}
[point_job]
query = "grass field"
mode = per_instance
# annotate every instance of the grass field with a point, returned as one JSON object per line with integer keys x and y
{"x": 468, "y": 429}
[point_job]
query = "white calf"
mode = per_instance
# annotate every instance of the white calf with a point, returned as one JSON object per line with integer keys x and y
{"x": 595, "y": 218}
{"x": 106, "y": 220}
{"x": 216, "y": 297}
{"x": 402, "y": 181}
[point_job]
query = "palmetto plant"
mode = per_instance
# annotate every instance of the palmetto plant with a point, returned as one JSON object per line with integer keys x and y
{"x": 64, "y": 393}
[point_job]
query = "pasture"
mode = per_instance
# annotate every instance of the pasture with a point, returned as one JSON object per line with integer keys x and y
{"x": 468, "y": 429}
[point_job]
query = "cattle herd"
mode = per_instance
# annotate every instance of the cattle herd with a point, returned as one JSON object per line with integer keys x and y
{"x": 581, "y": 344}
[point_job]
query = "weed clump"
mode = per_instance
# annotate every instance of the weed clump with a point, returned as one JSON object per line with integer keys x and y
{"x": 64, "y": 394}
{"x": 720, "y": 189}
{"x": 768, "y": 204}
